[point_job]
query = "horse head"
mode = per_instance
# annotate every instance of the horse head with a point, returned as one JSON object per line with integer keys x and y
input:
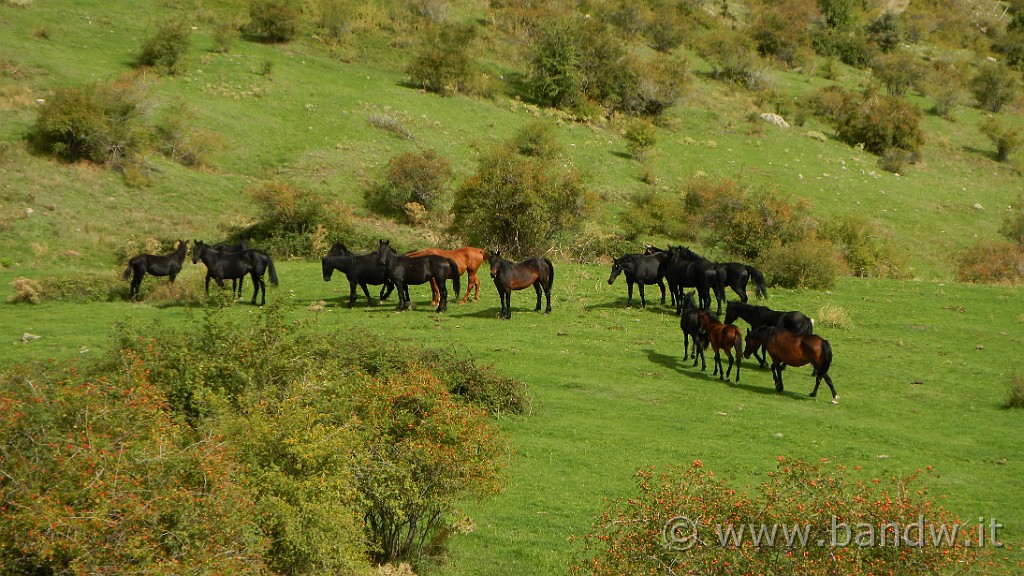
{"x": 688, "y": 301}
{"x": 616, "y": 269}
{"x": 198, "y": 249}
{"x": 494, "y": 260}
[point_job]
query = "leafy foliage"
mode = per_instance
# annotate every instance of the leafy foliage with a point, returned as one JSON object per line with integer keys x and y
{"x": 877, "y": 122}
{"x": 865, "y": 248}
{"x": 990, "y": 262}
{"x": 809, "y": 262}
{"x": 168, "y": 47}
{"x": 421, "y": 177}
{"x": 1013, "y": 223}
{"x": 689, "y": 522}
{"x": 273, "y": 21}
{"x": 994, "y": 86}
{"x": 443, "y": 65}
{"x": 1007, "y": 139}
{"x": 292, "y": 220}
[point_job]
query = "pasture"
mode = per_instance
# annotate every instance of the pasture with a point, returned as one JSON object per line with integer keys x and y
{"x": 921, "y": 368}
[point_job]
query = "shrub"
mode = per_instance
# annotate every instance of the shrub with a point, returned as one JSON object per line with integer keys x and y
{"x": 1007, "y": 139}
{"x": 101, "y": 123}
{"x": 887, "y": 31}
{"x": 290, "y": 219}
{"x": 877, "y": 122}
{"x": 1013, "y": 223}
{"x": 640, "y": 136}
{"x": 688, "y": 522}
{"x": 947, "y": 85}
{"x": 832, "y": 316}
{"x": 26, "y": 290}
{"x": 556, "y": 65}
{"x": 780, "y": 29}
{"x": 993, "y": 86}
{"x": 809, "y": 262}
{"x": 518, "y": 204}
{"x": 651, "y": 213}
{"x": 537, "y": 139}
{"x": 273, "y": 20}
{"x": 867, "y": 250}
{"x": 177, "y": 136}
{"x": 734, "y": 58}
{"x": 989, "y": 262}
{"x": 443, "y": 64}
{"x": 1015, "y": 392}
{"x": 852, "y": 48}
{"x": 168, "y": 47}
{"x": 420, "y": 177}
{"x": 898, "y": 71}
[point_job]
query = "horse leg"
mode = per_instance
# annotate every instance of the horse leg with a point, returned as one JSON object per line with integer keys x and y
{"x": 476, "y": 286}
{"x": 352, "y": 293}
{"x": 718, "y": 365}
{"x": 547, "y": 296}
{"x": 777, "y": 368}
{"x": 435, "y": 294}
{"x": 537, "y": 289}
{"x": 629, "y": 294}
{"x": 471, "y": 279}
{"x": 643, "y": 299}
{"x": 661, "y": 285}
{"x": 442, "y": 305}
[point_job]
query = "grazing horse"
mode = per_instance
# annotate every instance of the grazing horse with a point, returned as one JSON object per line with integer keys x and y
{"x": 788, "y": 349}
{"x": 721, "y": 336}
{"x": 360, "y": 269}
{"x": 639, "y": 269}
{"x": 155, "y": 265}
{"x": 796, "y": 322}
{"x": 403, "y": 271}
{"x": 469, "y": 260}
{"x": 509, "y": 276}
{"x": 221, "y": 266}
{"x": 689, "y": 323}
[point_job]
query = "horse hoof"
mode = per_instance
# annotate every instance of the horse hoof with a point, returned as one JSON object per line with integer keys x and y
{"x": 835, "y": 400}
{"x": 813, "y": 394}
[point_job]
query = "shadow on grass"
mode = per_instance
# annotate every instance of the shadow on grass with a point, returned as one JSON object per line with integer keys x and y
{"x": 685, "y": 367}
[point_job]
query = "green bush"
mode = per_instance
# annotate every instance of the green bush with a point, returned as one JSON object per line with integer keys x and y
{"x": 1007, "y": 139}
{"x": 994, "y": 86}
{"x": 640, "y": 136}
{"x": 177, "y": 135}
{"x": 809, "y": 262}
{"x": 688, "y": 522}
{"x": 651, "y": 213}
{"x": 947, "y": 85}
{"x": 80, "y": 287}
{"x": 556, "y": 74}
{"x": 273, "y": 21}
{"x": 101, "y": 123}
{"x": 989, "y": 262}
{"x": 1013, "y": 223}
{"x": 291, "y": 221}
{"x": 898, "y": 71}
{"x": 734, "y": 58}
{"x": 780, "y": 30}
{"x": 167, "y": 49}
{"x": 420, "y": 177}
{"x": 877, "y": 122}
{"x": 865, "y": 248}
{"x": 537, "y": 139}
{"x": 443, "y": 64}
{"x": 518, "y": 204}
{"x": 851, "y": 48}
{"x": 887, "y": 31}
{"x": 1015, "y": 392}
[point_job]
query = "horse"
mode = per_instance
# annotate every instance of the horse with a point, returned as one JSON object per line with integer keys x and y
{"x": 721, "y": 336}
{"x": 404, "y": 270}
{"x": 155, "y": 265}
{"x": 221, "y": 266}
{"x": 789, "y": 349}
{"x": 680, "y": 272}
{"x": 509, "y": 276}
{"x": 737, "y": 275}
{"x": 796, "y": 322}
{"x": 639, "y": 269}
{"x": 360, "y": 269}
{"x": 236, "y": 283}
{"x": 704, "y": 271}
{"x": 469, "y": 260}
{"x": 689, "y": 323}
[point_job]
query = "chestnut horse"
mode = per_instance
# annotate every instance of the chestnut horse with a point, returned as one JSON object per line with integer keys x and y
{"x": 787, "y": 348}
{"x": 721, "y": 336}
{"x": 509, "y": 276}
{"x": 469, "y": 260}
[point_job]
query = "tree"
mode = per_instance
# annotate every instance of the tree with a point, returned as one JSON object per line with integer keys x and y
{"x": 1007, "y": 139}
{"x": 443, "y": 65}
{"x": 994, "y": 86}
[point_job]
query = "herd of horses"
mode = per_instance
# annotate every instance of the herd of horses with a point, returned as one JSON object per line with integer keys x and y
{"x": 786, "y": 337}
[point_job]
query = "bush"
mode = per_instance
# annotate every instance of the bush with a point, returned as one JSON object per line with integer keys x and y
{"x": 879, "y": 123}
{"x": 780, "y": 29}
{"x": 688, "y": 522}
{"x": 556, "y": 65}
{"x": 640, "y": 136}
{"x": 898, "y": 71}
{"x": 734, "y": 58}
{"x": 851, "y": 48}
{"x": 537, "y": 139}
{"x": 177, "y": 136}
{"x": 947, "y": 85}
{"x": 443, "y": 64}
{"x": 80, "y": 287}
{"x": 101, "y": 123}
{"x": 1013, "y": 223}
{"x": 656, "y": 214}
{"x": 887, "y": 31}
{"x": 989, "y": 262}
{"x": 1007, "y": 139}
{"x": 168, "y": 47}
{"x": 994, "y": 86}
{"x": 291, "y": 220}
{"x": 809, "y": 262}
{"x": 865, "y": 248}
{"x": 273, "y": 20}
{"x": 518, "y": 204}
{"x": 1015, "y": 392}
{"x": 420, "y": 177}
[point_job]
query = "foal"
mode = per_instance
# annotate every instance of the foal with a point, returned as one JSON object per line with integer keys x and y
{"x": 722, "y": 337}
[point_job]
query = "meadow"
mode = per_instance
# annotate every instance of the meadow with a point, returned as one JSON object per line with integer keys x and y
{"x": 922, "y": 365}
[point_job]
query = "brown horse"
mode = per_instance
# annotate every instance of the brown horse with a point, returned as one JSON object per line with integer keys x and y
{"x": 509, "y": 276}
{"x": 721, "y": 336}
{"x": 787, "y": 348}
{"x": 469, "y": 260}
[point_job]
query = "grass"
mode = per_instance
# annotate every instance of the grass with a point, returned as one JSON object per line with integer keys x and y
{"x": 921, "y": 366}
{"x": 610, "y": 393}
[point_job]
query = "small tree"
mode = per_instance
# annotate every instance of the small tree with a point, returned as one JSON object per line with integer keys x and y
{"x": 556, "y": 65}
{"x": 168, "y": 47}
{"x": 1007, "y": 139}
{"x": 273, "y": 20}
{"x": 1013, "y": 223}
{"x": 994, "y": 86}
{"x": 421, "y": 177}
{"x": 640, "y": 137}
{"x": 898, "y": 71}
{"x": 442, "y": 64}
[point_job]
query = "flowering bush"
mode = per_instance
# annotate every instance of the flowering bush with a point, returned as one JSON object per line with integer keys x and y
{"x": 805, "y": 519}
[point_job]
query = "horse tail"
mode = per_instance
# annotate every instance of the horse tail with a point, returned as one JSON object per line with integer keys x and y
{"x": 737, "y": 343}
{"x": 551, "y": 272}
{"x": 456, "y": 285}
{"x": 826, "y": 357}
{"x": 127, "y": 272}
{"x": 760, "y": 291}
{"x": 272, "y": 271}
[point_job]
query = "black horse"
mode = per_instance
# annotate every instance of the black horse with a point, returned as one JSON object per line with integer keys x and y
{"x": 224, "y": 247}
{"x": 681, "y": 272}
{"x": 509, "y": 276}
{"x": 360, "y": 269}
{"x": 639, "y": 269}
{"x": 405, "y": 270}
{"x": 793, "y": 321}
{"x": 689, "y": 323}
{"x": 221, "y": 266}
{"x": 706, "y": 272}
{"x": 155, "y": 265}
{"x": 737, "y": 275}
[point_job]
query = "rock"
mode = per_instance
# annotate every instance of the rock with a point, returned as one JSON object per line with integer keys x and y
{"x": 775, "y": 119}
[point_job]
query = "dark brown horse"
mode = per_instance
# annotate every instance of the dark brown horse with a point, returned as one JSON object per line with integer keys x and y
{"x": 509, "y": 276}
{"x": 469, "y": 260}
{"x": 155, "y": 265}
{"x": 720, "y": 336}
{"x": 789, "y": 349}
